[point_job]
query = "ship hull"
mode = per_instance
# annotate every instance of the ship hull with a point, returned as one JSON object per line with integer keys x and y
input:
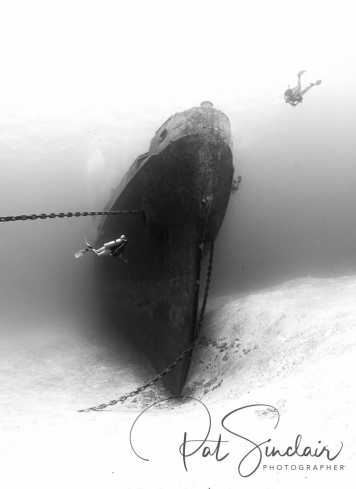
{"x": 182, "y": 186}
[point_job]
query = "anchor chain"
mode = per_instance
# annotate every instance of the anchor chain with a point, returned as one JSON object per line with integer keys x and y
{"x": 177, "y": 360}
{"x": 33, "y": 217}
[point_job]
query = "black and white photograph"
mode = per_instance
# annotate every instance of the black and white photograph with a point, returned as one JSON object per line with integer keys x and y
{"x": 178, "y": 244}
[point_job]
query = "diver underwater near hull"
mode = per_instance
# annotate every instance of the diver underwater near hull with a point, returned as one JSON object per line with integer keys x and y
{"x": 294, "y": 96}
{"x": 113, "y": 248}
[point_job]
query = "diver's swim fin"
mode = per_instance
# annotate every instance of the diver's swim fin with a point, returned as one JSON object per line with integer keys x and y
{"x": 80, "y": 253}
{"x": 300, "y": 73}
{"x": 88, "y": 245}
{"x": 318, "y": 82}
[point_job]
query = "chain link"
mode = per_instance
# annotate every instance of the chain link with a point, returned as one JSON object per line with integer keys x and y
{"x": 177, "y": 360}
{"x": 33, "y": 217}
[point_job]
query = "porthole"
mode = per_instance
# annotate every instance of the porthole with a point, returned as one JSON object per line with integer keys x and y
{"x": 163, "y": 134}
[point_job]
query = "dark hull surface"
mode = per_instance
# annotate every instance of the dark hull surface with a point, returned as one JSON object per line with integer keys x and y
{"x": 182, "y": 185}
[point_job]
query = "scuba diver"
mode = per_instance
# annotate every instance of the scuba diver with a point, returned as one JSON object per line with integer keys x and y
{"x": 294, "y": 96}
{"x": 113, "y": 248}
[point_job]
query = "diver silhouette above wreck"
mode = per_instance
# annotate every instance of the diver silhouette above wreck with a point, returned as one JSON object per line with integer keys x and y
{"x": 294, "y": 96}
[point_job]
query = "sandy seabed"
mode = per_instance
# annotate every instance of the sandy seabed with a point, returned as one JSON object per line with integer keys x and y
{"x": 286, "y": 355}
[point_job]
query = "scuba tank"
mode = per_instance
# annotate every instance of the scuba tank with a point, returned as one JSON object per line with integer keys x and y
{"x": 110, "y": 244}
